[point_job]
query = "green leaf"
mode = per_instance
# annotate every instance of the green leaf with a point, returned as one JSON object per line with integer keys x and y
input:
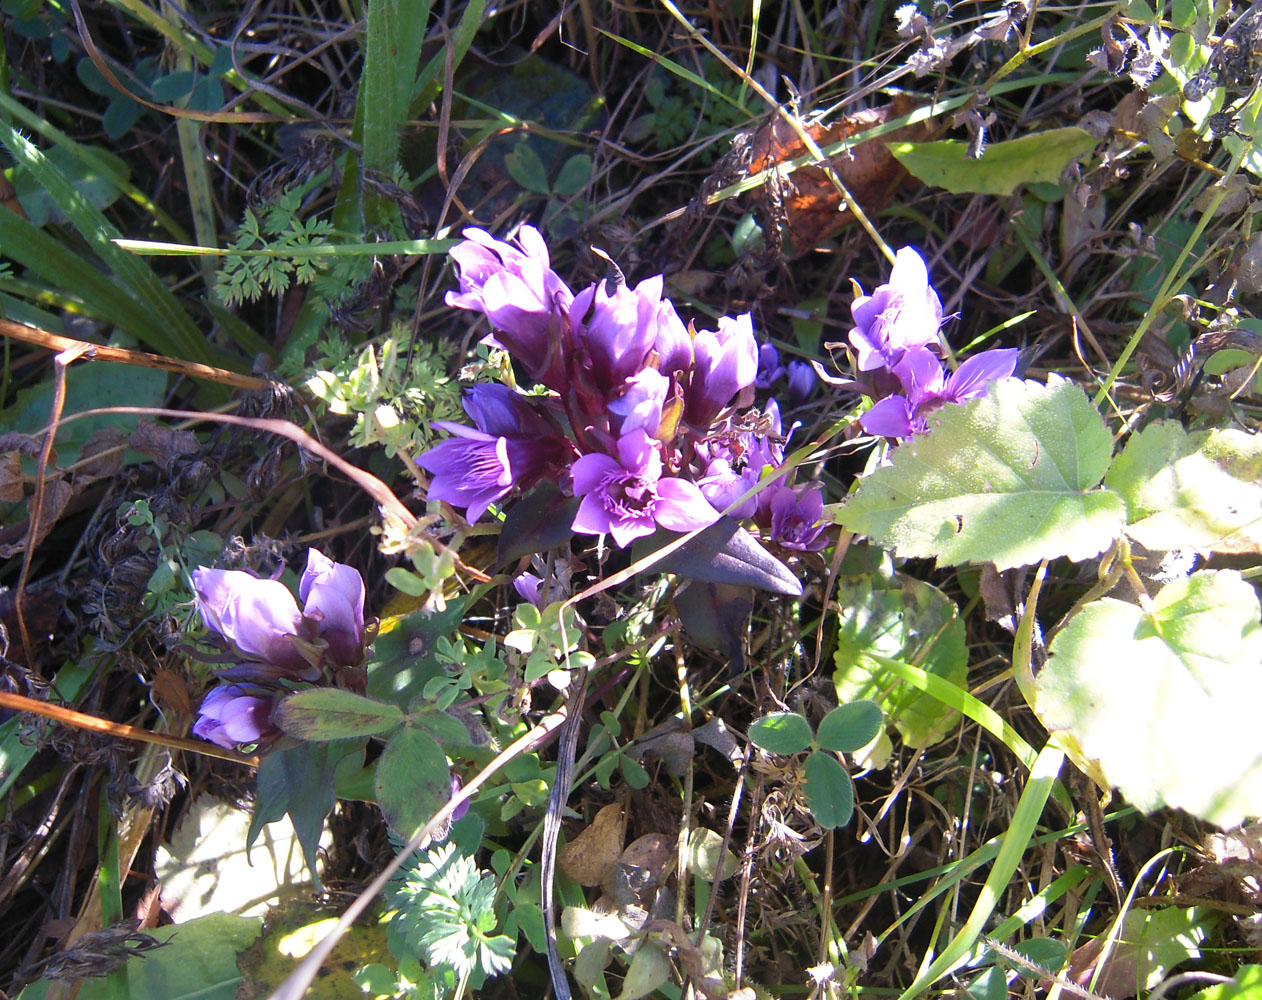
{"x": 1200, "y": 490}
{"x": 403, "y": 655}
{"x": 392, "y": 51}
{"x": 1167, "y": 702}
{"x": 1151, "y": 944}
{"x": 405, "y": 581}
{"x": 904, "y": 619}
{"x": 16, "y": 749}
{"x": 574, "y": 176}
{"x": 781, "y": 732}
{"x": 649, "y": 969}
{"x": 1041, "y": 157}
{"x": 1246, "y": 984}
{"x": 299, "y": 781}
{"x": 633, "y": 772}
{"x": 525, "y": 167}
{"x": 96, "y": 179}
{"x": 707, "y": 858}
{"x": 447, "y": 729}
{"x": 332, "y": 714}
{"x": 1010, "y": 478}
{"x": 198, "y": 962}
{"x": 412, "y": 781}
{"x": 848, "y": 727}
{"x": 87, "y": 388}
{"x": 165, "y": 325}
{"x": 829, "y": 791}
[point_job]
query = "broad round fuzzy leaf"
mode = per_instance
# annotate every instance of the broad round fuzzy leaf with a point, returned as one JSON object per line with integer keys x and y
{"x": 1010, "y": 478}
{"x": 447, "y": 729}
{"x": 404, "y": 659}
{"x": 320, "y": 714}
{"x": 1031, "y": 159}
{"x": 781, "y": 732}
{"x": 1198, "y": 491}
{"x": 1167, "y": 703}
{"x": 829, "y": 790}
{"x": 848, "y": 727}
{"x": 412, "y": 781}
{"x": 903, "y": 619}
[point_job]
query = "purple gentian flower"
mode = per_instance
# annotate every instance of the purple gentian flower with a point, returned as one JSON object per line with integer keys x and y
{"x": 926, "y": 387}
{"x": 525, "y": 300}
{"x": 628, "y": 497}
{"x": 796, "y": 518}
{"x": 527, "y": 586}
{"x": 640, "y": 407}
{"x": 802, "y": 381}
{"x": 333, "y": 595}
{"x": 904, "y": 314}
{"x": 461, "y": 810}
{"x": 259, "y": 618}
{"x": 233, "y": 715}
{"x": 724, "y": 363}
{"x": 618, "y": 330}
{"x": 673, "y": 343}
{"x": 723, "y": 486}
{"x": 513, "y": 447}
{"x": 769, "y": 367}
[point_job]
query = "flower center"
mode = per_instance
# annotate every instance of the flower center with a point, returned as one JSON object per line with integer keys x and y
{"x": 628, "y": 495}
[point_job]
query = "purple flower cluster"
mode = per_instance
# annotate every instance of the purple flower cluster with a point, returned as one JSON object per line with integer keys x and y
{"x": 274, "y": 643}
{"x": 641, "y": 421}
{"x": 896, "y": 352}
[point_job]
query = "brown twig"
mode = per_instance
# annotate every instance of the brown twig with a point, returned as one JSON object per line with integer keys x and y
{"x": 119, "y": 730}
{"x": 121, "y": 355}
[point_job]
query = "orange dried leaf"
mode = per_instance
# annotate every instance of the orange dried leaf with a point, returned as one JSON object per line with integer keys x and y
{"x": 812, "y": 206}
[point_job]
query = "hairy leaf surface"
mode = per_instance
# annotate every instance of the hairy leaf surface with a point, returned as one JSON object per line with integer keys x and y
{"x": 1010, "y": 478}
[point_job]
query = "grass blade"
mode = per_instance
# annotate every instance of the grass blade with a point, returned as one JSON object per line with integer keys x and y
{"x": 165, "y": 324}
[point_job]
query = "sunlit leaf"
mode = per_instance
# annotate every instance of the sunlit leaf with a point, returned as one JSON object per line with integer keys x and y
{"x": 905, "y": 619}
{"x": 781, "y": 732}
{"x": 1201, "y": 490}
{"x": 1167, "y": 702}
{"x": 1010, "y": 478}
{"x": 1040, "y": 157}
{"x": 333, "y": 714}
{"x": 849, "y": 727}
{"x": 412, "y": 781}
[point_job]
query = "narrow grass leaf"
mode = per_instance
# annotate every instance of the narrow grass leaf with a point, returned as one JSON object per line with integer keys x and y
{"x": 169, "y": 328}
{"x": 1011, "y": 849}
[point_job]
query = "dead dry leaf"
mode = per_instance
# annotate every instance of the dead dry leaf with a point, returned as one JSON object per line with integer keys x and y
{"x": 57, "y": 494}
{"x": 589, "y": 858}
{"x": 11, "y": 490}
{"x": 869, "y": 171}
